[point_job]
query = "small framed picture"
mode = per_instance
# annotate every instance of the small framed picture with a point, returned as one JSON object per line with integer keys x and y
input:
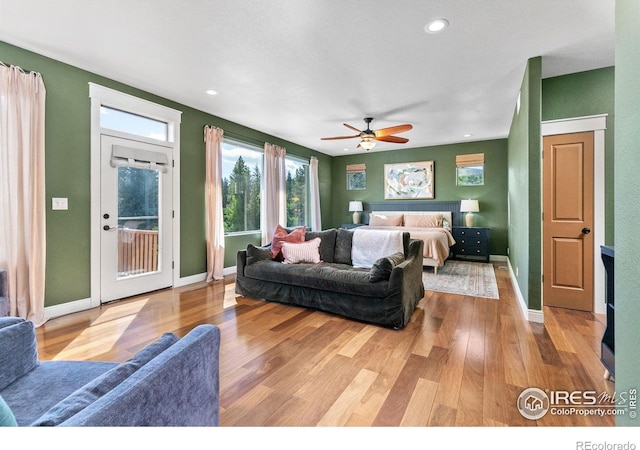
{"x": 356, "y": 181}
{"x": 470, "y": 176}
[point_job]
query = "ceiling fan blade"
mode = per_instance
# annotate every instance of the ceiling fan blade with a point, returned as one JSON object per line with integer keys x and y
{"x": 395, "y": 139}
{"x": 339, "y": 137}
{"x": 392, "y": 130}
{"x": 353, "y": 128}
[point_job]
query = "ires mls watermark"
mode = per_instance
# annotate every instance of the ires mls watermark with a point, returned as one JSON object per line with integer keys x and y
{"x": 534, "y": 403}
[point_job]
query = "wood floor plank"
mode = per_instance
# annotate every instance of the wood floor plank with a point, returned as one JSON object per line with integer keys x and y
{"x": 346, "y": 403}
{"x": 461, "y": 361}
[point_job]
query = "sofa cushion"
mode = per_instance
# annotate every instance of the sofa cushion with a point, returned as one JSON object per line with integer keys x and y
{"x": 281, "y": 235}
{"x": 381, "y": 269}
{"x": 306, "y": 252}
{"x": 18, "y": 352}
{"x": 386, "y": 220}
{"x": 339, "y": 278}
{"x": 255, "y": 254}
{"x": 98, "y": 387}
{"x": 7, "y": 419}
{"x": 327, "y": 243}
{"x": 342, "y": 254}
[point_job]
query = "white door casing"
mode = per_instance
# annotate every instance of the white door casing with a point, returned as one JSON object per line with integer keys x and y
{"x": 597, "y": 124}
{"x": 102, "y": 96}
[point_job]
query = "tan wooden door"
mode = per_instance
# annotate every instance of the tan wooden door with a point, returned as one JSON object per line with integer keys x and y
{"x": 567, "y": 221}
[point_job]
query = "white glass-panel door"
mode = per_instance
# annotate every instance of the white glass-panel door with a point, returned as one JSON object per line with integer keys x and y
{"x": 136, "y": 218}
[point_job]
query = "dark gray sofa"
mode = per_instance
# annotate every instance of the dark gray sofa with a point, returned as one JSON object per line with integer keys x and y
{"x": 334, "y": 285}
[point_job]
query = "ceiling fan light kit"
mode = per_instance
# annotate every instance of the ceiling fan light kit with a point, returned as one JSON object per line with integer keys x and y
{"x": 368, "y": 136}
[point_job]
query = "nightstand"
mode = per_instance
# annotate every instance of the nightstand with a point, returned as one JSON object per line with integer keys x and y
{"x": 350, "y": 226}
{"x": 471, "y": 242}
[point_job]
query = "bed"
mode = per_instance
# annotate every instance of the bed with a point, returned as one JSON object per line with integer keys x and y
{"x": 432, "y": 227}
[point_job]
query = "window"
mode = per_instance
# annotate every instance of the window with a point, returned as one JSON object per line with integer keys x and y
{"x": 124, "y": 121}
{"x": 241, "y": 176}
{"x": 297, "y": 192}
{"x": 241, "y": 184}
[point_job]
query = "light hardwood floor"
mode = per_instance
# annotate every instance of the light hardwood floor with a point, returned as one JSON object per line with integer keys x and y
{"x": 461, "y": 361}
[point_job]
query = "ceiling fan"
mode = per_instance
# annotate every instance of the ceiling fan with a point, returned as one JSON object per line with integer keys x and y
{"x": 368, "y": 136}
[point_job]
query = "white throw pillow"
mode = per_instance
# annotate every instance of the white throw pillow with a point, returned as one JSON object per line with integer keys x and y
{"x": 306, "y": 252}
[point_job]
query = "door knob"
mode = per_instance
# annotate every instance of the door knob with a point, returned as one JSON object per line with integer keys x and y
{"x": 586, "y": 230}
{"x": 108, "y": 228}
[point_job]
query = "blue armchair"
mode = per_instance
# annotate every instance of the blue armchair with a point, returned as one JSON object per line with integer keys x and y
{"x": 172, "y": 382}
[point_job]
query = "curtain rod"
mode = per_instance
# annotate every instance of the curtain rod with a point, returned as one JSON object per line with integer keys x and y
{"x": 26, "y": 72}
{"x": 239, "y": 137}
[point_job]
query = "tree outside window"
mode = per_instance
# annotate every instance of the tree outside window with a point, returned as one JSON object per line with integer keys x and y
{"x": 241, "y": 183}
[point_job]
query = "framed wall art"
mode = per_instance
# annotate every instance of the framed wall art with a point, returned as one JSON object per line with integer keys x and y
{"x": 356, "y": 177}
{"x": 470, "y": 170}
{"x": 414, "y": 180}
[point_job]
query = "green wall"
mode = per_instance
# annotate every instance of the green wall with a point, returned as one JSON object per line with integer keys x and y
{"x": 67, "y": 167}
{"x": 627, "y": 215}
{"x": 585, "y": 94}
{"x": 492, "y": 196}
{"x": 524, "y": 185}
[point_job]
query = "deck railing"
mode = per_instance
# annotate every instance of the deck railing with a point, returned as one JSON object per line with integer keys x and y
{"x": 137, "y": 251}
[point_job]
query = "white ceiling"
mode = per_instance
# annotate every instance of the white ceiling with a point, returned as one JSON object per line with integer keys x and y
{"x": 298, "y": 69}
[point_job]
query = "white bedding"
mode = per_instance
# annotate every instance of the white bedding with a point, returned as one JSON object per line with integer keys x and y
{"x": 437, "y": 241}
{"x": 371, "y": 244}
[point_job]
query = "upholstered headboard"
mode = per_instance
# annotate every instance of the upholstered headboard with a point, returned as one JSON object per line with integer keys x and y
{"x": 415, "y": 206}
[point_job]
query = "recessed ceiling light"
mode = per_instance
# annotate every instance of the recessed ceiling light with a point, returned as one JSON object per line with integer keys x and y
{"x": 468, "y": 135}
{"x": 435, "y": 26}
{"x": 211, "y": 92}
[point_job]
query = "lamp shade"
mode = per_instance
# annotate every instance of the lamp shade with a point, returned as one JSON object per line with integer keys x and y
{"x": 355, "y": 206}
{"x": 469, "y": 206}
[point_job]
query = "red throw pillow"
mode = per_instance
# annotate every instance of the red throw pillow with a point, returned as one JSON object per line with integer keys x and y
{"x": 281, "y": 235}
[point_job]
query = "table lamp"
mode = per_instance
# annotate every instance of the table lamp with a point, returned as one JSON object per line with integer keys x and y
{"x": 470, "y": 207}
{"x": 355, "y": 207}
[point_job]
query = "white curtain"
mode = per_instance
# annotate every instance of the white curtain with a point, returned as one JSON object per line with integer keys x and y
{"x": 213, "y": 203}
{"x": 22, "y": 190}
{"x": 274, "y": 191}
{"x": 314, "y": 191}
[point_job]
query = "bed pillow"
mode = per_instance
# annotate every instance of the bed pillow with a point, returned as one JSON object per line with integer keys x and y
{"x": 281, "y": 235}
{"x": 382, "y": 268}
{"x": 307, "y": 252}
{"x": 386, "y": 220}
{"x": 423, "y": 220}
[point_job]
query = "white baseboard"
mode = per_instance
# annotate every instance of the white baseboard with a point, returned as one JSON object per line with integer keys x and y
{"x": 199, "y": 277}
{"x": 498, "y": 258}
{"x": 51, "y": 312}
{"x": 532, "y": 315}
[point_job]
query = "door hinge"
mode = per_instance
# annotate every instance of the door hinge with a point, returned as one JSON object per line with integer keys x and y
{"x": 543, "y": 278}
{"x": 173, "y": 214}
{"x": 173, "y": 264}
{"x": 173, "y": 163}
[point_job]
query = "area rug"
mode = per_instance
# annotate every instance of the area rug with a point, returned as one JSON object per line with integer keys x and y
{"x": 475, "y": 279}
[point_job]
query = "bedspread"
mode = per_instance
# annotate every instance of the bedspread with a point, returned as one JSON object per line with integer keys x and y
{"x": 437, "y": 241}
